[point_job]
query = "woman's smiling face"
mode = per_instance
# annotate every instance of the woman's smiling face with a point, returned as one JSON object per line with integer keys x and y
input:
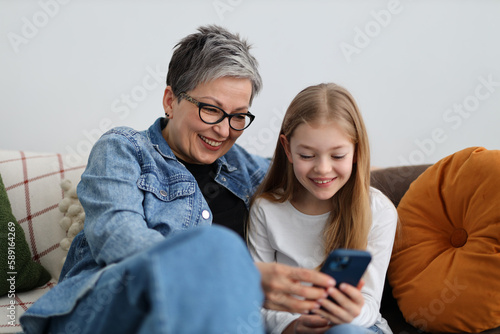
{"x": 191, "y": 139}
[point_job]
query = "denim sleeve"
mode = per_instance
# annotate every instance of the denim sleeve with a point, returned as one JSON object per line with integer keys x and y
{"x": 256, "y": 167}
{"x": 115, "y": 225}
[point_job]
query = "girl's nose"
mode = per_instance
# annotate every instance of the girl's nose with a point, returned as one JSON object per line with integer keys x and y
{"x": 323, "y": 166}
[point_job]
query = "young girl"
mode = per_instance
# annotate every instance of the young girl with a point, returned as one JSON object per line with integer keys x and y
{"x": 317, "y": 197}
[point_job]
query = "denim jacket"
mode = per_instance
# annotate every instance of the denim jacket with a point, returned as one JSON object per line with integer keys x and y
{"x": 135, "y": 193}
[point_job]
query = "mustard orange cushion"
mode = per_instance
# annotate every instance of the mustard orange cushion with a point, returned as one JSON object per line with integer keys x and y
{"x": 445, "y": 267}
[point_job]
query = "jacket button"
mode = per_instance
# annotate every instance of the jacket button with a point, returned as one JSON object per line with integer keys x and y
{"x": 163, "y": 193}
{"x": 223, "y": 179}
{"x": 205, "y": 214}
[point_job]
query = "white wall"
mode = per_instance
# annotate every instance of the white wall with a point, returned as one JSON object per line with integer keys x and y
{"x": 425, "y": 73}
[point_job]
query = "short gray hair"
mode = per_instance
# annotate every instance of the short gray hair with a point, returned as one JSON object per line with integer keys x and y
{"x": 211, "y": 53}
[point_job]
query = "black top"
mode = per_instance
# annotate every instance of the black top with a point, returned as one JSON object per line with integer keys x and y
{"x": 228, "y": 210}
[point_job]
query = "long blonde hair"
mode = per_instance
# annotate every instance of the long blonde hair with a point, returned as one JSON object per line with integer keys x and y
{"x": 350, "y": 217}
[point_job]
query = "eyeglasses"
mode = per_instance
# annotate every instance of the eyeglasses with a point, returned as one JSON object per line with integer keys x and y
{"x": 211, "y": 114}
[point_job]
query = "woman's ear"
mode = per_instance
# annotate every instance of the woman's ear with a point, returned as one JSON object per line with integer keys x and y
{"x": 168, "y": 101}
{"x": 286, "y": 146}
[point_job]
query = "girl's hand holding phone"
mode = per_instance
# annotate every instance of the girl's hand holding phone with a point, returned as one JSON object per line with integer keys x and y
{"x": 347, "y": 306}
{"x": 344, "y": 301}
{"x": 320, "y": 320}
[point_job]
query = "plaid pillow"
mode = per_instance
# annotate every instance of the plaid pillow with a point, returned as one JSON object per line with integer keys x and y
{"x": 33, "y": 184}
{"x": 18, "y": 272}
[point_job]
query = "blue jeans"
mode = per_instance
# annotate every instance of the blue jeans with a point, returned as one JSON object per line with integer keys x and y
{"x": 199, "y": 281}
{"x": 353, "y": 329}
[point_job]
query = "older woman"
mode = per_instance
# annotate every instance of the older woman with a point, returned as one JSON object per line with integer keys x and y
{"x": 145, "y": 263}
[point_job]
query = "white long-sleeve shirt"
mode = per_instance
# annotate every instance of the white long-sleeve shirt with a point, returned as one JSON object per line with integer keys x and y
{"x": 280, "y": 233}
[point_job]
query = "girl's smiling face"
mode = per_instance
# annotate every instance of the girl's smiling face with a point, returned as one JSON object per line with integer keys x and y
{"x": 322, "y": 156}
{"x": 188, "y": 136}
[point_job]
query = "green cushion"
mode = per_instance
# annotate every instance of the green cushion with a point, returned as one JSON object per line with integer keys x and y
{"x": 16, "y": 264}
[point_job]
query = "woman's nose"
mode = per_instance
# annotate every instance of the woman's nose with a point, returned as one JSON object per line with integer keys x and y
{"x": 223, "y": 128}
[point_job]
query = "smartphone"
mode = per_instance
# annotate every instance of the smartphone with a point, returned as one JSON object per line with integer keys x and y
{"x": 346, "y": 265}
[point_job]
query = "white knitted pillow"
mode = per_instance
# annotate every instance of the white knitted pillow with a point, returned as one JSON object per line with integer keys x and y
{"x": 74, "y": 216}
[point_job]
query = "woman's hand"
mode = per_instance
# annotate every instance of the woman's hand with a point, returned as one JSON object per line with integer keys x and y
{"x": 349, "y": 302}
{"x": 282, "y": 286}
{"x": 308, "y": 324}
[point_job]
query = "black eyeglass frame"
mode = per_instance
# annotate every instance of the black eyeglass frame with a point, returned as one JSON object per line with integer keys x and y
{"x": 200, "y": 105}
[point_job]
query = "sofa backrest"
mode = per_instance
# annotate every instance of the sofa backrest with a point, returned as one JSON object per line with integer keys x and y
{"x": 395, "y": 181}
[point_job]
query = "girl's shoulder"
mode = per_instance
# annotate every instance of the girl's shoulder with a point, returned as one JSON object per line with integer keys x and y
{"x": 380, "y": 202}
{"x": 384, "y": 217}
{"x": 269, "y": 200}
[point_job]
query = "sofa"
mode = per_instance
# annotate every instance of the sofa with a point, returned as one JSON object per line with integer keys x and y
{"x": 41, "y": 191}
